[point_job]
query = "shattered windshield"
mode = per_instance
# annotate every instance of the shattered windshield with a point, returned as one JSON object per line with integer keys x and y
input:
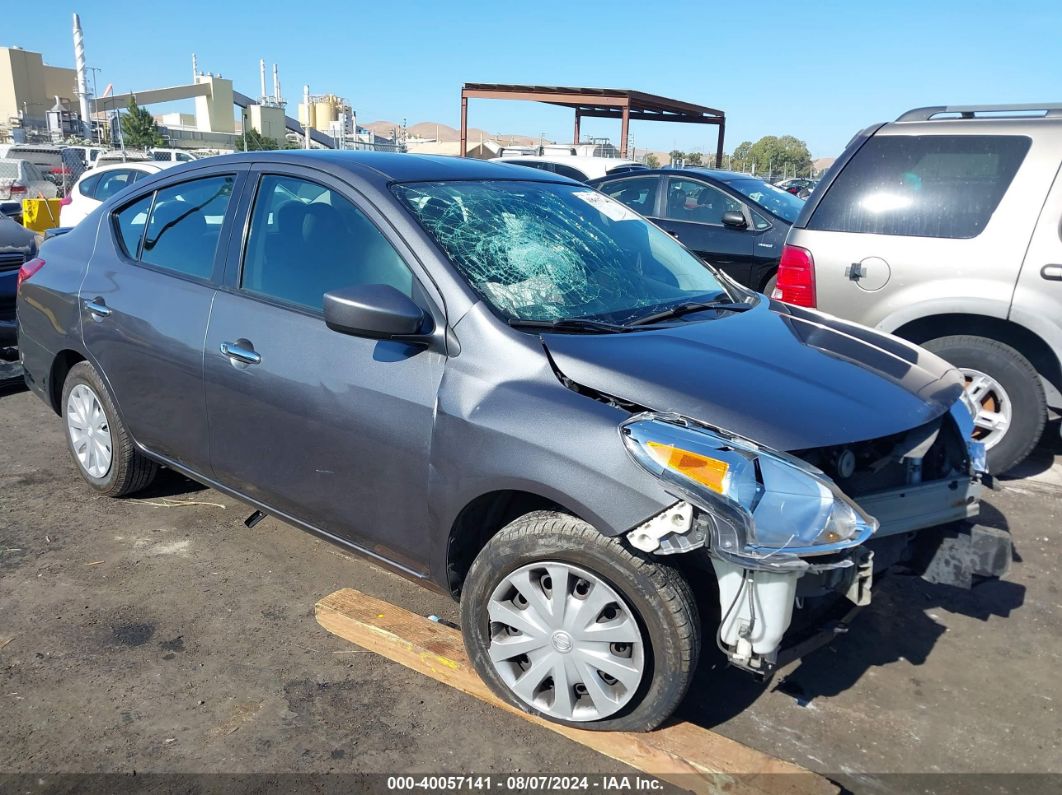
{"x": 550, "y": 251}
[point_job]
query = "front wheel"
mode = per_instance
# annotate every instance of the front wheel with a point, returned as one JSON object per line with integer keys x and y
{"x": 570, "y": 625}
{"x": 1003, "y": 384}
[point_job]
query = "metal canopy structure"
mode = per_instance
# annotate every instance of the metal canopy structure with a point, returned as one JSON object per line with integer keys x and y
{"x": 606, "y": 103}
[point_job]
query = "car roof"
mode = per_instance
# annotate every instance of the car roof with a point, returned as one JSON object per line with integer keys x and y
{"x": 136, "y": 165}
{"x": 688, "y": 171}
{"x": 393, "y": 166}
{"x": 571, "y": 159}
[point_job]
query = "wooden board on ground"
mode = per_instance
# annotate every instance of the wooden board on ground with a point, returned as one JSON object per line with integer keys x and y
{"x": 683, "y": 754}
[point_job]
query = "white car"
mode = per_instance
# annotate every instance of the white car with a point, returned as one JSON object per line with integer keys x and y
{"x": 172, "y": 155}
{"x": 574, "y": 167}
{"x": 21, "y": 179}
{"x": 99, "y": 184}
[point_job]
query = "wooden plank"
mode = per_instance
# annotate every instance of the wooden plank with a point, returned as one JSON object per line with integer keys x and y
{"x": 683, "y": 754}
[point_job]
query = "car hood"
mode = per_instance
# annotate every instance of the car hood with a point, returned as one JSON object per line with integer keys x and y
{"x": 786, "y": 377}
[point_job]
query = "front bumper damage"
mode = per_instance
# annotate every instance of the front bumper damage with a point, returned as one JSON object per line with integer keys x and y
{"x": 922, "y": 524}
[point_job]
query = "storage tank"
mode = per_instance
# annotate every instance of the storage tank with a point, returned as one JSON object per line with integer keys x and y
{"x": 324, "y": 112}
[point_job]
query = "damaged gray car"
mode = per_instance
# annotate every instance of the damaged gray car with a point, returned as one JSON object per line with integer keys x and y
{"x": 513, "y": 389}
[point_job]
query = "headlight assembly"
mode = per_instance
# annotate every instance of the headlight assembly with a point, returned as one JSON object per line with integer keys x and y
{"x": 763, "y": 503}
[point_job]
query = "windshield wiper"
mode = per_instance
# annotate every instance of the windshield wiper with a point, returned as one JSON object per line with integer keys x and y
{"x": 688, "y": 307}
{"x": 568, "y": 324}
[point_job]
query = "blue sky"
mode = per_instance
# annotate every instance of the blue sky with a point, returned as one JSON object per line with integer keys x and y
{"x": 816, "y": 70}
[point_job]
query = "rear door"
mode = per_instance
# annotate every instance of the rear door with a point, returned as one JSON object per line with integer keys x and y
{"x": 919, "y": 223}
{"x": 145, "y": 302}
{"x": 327, "y": 428}
{"x": 1037, "y": 301}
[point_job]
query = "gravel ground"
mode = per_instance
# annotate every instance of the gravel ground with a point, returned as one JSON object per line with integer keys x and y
{"x": 159, "y": 634}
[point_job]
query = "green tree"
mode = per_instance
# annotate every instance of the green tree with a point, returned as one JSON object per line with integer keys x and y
{"x": 255, "y": 142}
{"x": 139, "y": 130}
{"x": 740, "y": 158}
{"x": 675, "y": 154}
{"x": 694, "y": 159}
{"x": 772, "y": 156}
{"x": 652, "y": 160}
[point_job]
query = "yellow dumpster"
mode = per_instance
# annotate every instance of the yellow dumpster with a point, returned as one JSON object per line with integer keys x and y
{"x": 40, "y": 214}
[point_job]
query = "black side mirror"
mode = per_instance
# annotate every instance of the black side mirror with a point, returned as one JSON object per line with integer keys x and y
{"x": 378, "y": 311}
{"x": 734, "y": 220}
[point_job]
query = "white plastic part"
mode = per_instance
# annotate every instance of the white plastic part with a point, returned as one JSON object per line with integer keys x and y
{"x": 676, "y": 519}
{"x": 772, "y": 595}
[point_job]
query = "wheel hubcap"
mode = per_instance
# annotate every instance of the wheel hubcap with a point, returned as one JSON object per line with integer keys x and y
{"x": 993, "y": 404}
{"x": 90, "y": 433}
{"x": 565, "y": 642}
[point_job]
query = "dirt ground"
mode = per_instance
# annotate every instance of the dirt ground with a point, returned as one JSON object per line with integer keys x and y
{"x": 159, "y": 634}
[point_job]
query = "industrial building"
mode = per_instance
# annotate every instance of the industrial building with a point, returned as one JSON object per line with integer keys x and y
{"x": 29, "y": 88}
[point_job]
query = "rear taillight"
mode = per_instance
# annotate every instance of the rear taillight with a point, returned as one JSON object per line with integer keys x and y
{"x": 65, "y": 201}
{"x": 19, "y": 189}
{"x": 796, "y": 277}
{"x": 29, "y": 267}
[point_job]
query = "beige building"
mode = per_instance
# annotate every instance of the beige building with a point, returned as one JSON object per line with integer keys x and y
{"x": 28, "y": 86}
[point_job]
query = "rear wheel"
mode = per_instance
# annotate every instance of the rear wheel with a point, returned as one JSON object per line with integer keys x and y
{"x": 98, "y": 442}
{"x": 568, "y": 624}
{"x": 1005, "y": 387}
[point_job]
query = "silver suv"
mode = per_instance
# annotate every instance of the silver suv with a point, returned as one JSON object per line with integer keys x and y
{"x": 944, "y": 227}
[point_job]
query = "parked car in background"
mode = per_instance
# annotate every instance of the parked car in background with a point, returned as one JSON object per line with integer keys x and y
{"x": 172, "y": 155}
{"x": 21, "y": 179}
{"x": 89, "y": 154}
{"x": 582, "y": 169}
{"x": 801, "y": 187}
{"x": 99, "y": 184}
{"x": 943, "y": 228}
{"x": 512, "y": 388}
{"x": 128, "y": 156}
{"x": 734, "y": 221}
{"x": 17, "y": 245}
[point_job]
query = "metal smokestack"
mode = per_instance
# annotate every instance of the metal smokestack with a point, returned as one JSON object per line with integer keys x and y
{"x": 261, "y": 75}
{"x": 306, "y": 103}
{"x": 195, "y": 68}
{"x": 82, "y": 82}
{"x": 276, "y": 85}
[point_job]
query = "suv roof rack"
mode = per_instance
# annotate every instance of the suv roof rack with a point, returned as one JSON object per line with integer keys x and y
{"x": 1046, "y": 109}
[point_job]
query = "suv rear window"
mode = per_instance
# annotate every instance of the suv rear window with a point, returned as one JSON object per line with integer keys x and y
{"x": 922, "y": 185}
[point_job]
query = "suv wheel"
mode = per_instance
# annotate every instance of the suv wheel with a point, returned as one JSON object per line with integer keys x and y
{"x": 1007, "y": 390}
{"x": 565, "y": 623}
{"x": 98, "y": 442}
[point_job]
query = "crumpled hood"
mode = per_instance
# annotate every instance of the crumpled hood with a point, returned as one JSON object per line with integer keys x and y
{"x": 783, "y": 376}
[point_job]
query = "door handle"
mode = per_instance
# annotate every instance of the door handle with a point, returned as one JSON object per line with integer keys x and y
{"x": 1052, "y": 272}
{"x": 240, "y": 353}
{"x": 98, "y": 308}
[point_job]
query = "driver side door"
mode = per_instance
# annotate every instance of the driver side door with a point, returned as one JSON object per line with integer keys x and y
{"x": 328, "y": 429}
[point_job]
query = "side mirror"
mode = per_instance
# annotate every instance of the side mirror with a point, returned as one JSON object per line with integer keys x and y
{"x": 734, "y": 220}
{"x": 378, "y": 311}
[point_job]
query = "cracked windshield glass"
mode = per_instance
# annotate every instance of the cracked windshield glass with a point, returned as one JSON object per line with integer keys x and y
{"x": 551, "y": 252}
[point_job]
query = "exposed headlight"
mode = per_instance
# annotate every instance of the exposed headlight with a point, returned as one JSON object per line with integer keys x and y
{"x": 764, "y": 502}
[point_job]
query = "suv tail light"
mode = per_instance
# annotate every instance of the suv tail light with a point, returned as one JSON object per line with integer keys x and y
{"x": 796, "y": 277}
{"x": 29, "y": 267}
{"x": 19, "y": 189}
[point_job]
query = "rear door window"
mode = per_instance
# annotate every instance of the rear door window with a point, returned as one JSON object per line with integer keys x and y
{"x": 638, "y": 193}
{"x": 922, "y": 185}
{"x": 185, "y": 225}
{"x": 131, "y": 221}
{"x": 111, "y": 182}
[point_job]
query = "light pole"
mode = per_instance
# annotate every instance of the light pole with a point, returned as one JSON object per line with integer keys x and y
{"x": 95, "y": 104}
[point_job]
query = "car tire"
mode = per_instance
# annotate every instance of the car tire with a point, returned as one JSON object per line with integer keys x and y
{"x": 127, "y": 470}
{"x": 1020, "y": 387}
{"x": 652, "y": 597}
